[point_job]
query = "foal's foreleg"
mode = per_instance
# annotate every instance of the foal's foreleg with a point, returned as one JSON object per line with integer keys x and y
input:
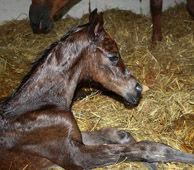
{"x": 107, "y": 136}
{"x": 111, "y": 136}
{"x": 156, "y": 152}
{"x": 88, "y": 157}
{"x": 57, "y": 138}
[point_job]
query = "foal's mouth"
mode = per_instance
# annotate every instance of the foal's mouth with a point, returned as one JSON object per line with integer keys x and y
{"x": 132, "y": 99}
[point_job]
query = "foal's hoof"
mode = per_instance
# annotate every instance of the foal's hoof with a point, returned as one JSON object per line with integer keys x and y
{"x": 107, "y": 136}
{"x": 125, "y": 137}
{"x": 116, "y": 136}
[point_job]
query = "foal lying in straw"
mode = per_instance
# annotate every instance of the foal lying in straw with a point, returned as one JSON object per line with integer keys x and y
{"x": 37, "y": 127}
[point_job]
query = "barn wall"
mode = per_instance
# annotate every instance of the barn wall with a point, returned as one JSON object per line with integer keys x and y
{"x": 18, "y": 9}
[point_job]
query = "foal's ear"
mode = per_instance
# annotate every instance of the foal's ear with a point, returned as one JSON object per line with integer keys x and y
{"x": 93, "y": 14}
{"x": 96, "y": 22}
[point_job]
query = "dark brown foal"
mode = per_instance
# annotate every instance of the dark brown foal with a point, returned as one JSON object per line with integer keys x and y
{"x": 37, "y": 127}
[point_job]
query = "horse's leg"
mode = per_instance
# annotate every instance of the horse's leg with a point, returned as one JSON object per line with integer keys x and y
{"x": 53, "y": 134}
{"x": 111, "y": 136}
{"x": 87, "y": 157}
{"x": 156, "y": 11}
{"x": 158, "y": 152}
{"x": 107, "y": 136}
{"x": 104, "y": 136}
{"x": 190, "y": 7}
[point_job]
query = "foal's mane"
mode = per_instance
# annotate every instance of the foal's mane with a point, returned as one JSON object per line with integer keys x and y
{"x": 44, "y": 55}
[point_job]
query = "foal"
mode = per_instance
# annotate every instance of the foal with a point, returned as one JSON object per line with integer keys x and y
{"x": 37, "y": 127}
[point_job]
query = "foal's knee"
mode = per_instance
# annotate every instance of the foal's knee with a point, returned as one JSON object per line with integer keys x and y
{"x": 107, "y": 136}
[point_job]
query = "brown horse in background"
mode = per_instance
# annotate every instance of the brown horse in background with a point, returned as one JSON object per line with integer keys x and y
{"x": 37, "y": 127}
{"x": 156, "y": 11}
{"x": 43, "y": 13}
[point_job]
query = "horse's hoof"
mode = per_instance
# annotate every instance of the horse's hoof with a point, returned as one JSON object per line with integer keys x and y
{"x": 125, "y": 137}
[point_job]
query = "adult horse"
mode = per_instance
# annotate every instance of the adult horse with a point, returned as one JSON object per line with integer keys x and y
{"x": 43, "y": 12}
{"x": 37, "y": 127}
{"x": 156, "y": 11}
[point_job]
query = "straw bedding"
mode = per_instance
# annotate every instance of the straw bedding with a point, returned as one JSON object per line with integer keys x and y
{"x": 165, "y": 112}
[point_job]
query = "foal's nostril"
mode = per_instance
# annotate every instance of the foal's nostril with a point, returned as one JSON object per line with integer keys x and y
{"x": 138, "y": 88}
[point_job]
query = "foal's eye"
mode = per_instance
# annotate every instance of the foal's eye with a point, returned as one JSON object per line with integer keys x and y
{"x": 113, "y": 58}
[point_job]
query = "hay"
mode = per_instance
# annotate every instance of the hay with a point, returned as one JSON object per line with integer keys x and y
{"x": 166, "y": 111}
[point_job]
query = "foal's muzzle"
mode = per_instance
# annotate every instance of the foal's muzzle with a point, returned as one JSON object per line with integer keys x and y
{"x": 40, "y": 19}
{"x": 134, "y": 95}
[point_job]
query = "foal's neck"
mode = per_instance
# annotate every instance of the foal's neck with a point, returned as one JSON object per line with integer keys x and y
{"x": 52, "y": 82}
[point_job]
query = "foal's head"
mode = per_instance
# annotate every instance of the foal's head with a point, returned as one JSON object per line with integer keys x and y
{"x": 85, "y": 52}
{"x": 105, "y": 63}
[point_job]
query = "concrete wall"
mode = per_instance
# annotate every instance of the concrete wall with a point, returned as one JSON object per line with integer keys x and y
{"x": 18, "y": 9}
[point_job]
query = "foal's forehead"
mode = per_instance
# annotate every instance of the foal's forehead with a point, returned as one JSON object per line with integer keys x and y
{"x": 109, "y": 42}
{"x": 107, "y": 36}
